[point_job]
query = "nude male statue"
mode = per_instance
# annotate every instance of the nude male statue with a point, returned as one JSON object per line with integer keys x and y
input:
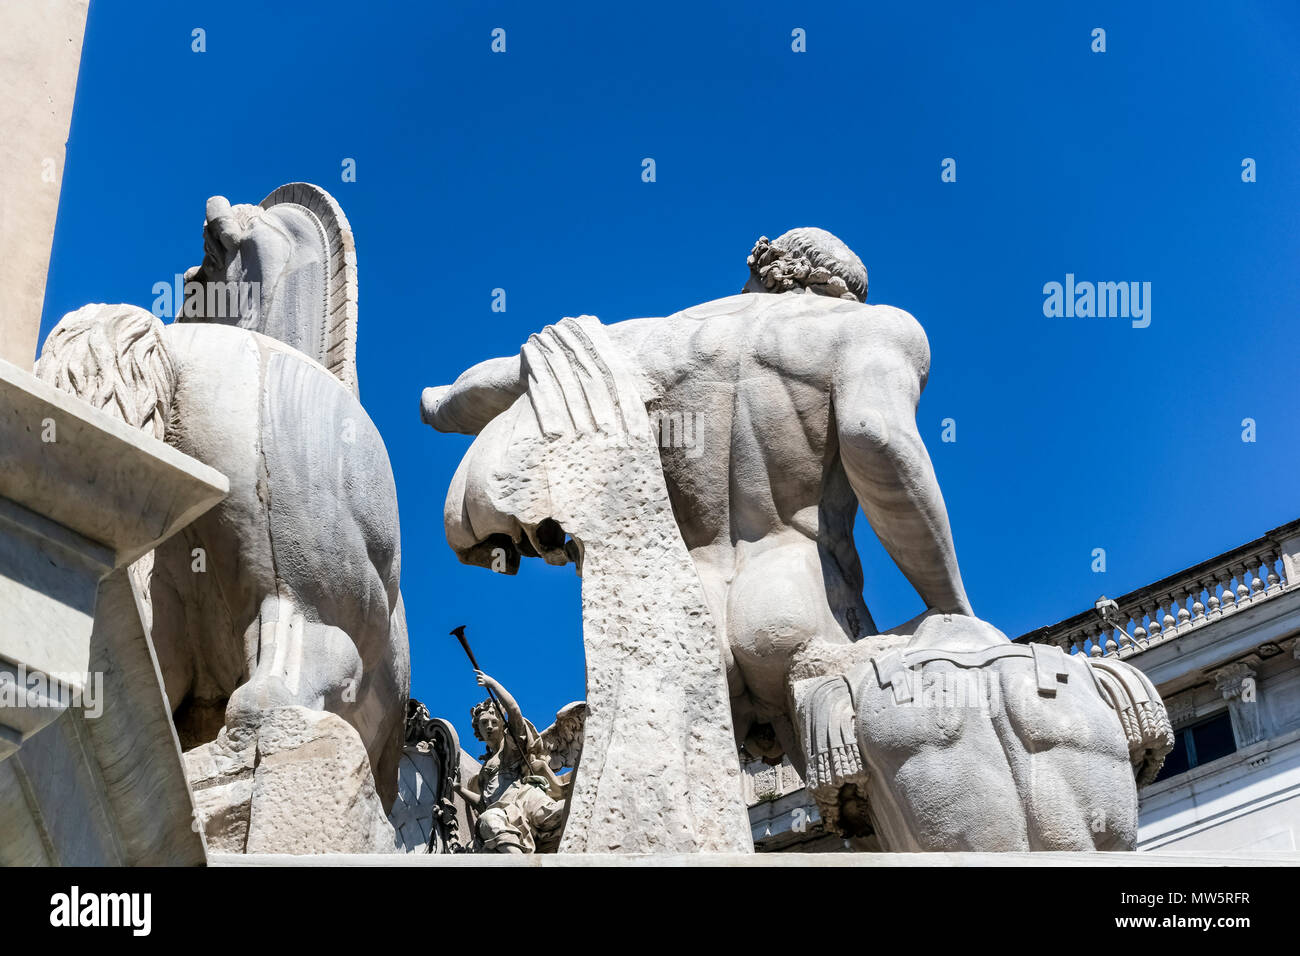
{"x": 803, "y": 400}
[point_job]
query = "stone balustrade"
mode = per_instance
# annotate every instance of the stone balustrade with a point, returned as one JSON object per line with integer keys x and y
{"x": 1203, "y": 594}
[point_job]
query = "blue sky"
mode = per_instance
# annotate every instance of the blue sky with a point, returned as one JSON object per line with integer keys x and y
{"x": 522, "y": 170}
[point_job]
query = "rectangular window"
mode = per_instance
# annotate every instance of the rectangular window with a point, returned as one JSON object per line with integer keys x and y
{"x": 1198, "y": 744}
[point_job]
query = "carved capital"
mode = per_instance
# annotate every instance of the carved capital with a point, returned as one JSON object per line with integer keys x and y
{"x": 1181, "y": 708}
{"x": 1238, "y": 684}
{"x": 1236, "y": 680}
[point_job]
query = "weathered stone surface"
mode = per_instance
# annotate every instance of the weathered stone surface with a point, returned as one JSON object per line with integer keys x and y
{"x": 775, "y": 417}
{"x": 298, "y": 569}
{"x": 90, "y": 767}
{"x": 302, "y": 785}
{"x": 950, "y": 737}
{"x": 92, "y": 473}
{"x": 659, "y": 771}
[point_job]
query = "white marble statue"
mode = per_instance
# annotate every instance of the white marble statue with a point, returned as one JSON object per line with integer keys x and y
{"x": 776, "y": 416}
{"x": 943, "y": 735}
{"x": 287, "y": 593}
{"x": 520, "y": 798}
{"x": 797, "y": 409}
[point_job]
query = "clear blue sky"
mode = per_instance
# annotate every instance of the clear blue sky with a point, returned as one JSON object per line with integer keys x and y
{"x": 522, "y": 171}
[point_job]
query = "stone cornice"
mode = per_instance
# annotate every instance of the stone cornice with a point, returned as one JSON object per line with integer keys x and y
{"x": 99, "y": 478}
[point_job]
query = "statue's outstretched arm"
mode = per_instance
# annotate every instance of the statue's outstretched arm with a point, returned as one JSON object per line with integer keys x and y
{"x": 479, "y": 395}
{"x": 878, "y": 380}
{"x": 514, "y": 716}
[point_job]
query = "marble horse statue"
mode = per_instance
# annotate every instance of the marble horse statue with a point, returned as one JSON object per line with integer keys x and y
{"x": 287, "y": 593}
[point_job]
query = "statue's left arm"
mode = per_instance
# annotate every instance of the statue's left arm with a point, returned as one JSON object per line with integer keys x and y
{"x": 880, "y": 372}
{"x": 479, "y": 395}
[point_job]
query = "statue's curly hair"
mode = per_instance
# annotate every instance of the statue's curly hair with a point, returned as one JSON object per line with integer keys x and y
{"x": 477, "y": 710}
{"x": 808, "y": 260}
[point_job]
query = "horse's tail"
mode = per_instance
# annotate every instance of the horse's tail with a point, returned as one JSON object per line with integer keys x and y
{"x": 1141, "y": 712}
{"x": 114, "y": 357}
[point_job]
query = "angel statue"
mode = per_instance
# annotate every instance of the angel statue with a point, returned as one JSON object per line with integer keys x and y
{"x": 522, "y": 803}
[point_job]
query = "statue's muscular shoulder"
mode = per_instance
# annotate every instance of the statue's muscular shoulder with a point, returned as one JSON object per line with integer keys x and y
{"x": 793, "y": 335}
{"x": 883, "y": 335}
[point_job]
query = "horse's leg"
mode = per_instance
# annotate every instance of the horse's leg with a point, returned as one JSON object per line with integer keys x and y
{"x": 291, "y": 661}
{"x": 378, "y": 711}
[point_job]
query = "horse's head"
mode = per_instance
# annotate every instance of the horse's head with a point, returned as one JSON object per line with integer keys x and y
{"x": 244, "y": 253}
{"x": 263, "y": 269}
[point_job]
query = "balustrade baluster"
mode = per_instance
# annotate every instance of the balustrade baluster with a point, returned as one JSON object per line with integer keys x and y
{"x": 1243, "y": 589}
{"x": 1153, "y": 624}
{"x": 1227, "y": 601}
{"x": 1273, "y": 581}
{"x": 1184, "y": 615}
{"x": 1256, "y": 585}
{"x": 1139, "y": 630}
{"x": 1198, "y": 609}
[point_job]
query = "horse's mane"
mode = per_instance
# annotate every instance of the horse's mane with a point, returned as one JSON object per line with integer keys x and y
{"x": 114, "y": 357}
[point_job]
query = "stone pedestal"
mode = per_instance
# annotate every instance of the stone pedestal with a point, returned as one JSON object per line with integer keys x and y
{"x": 302, "y": 786}
{"x": 90, "y": 767}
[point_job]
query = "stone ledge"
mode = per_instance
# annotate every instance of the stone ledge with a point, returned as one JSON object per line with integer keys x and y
{"x": 100, "y": 478}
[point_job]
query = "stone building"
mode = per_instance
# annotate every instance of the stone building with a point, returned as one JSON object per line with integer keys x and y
{"x": 1219, "y": 641}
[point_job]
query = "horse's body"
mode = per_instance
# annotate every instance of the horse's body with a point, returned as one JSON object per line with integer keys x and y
{"x": 294, "y": 598}
{"x": 287, "y": 593}
{"x": 945, "y": 736}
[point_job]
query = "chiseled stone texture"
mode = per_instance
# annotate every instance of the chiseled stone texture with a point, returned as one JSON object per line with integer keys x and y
{"x": 659, "y": 771}
{"x": 303, "y": 786}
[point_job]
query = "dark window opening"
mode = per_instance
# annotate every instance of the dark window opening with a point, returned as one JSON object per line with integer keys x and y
{"x": 1199, "y": 744}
